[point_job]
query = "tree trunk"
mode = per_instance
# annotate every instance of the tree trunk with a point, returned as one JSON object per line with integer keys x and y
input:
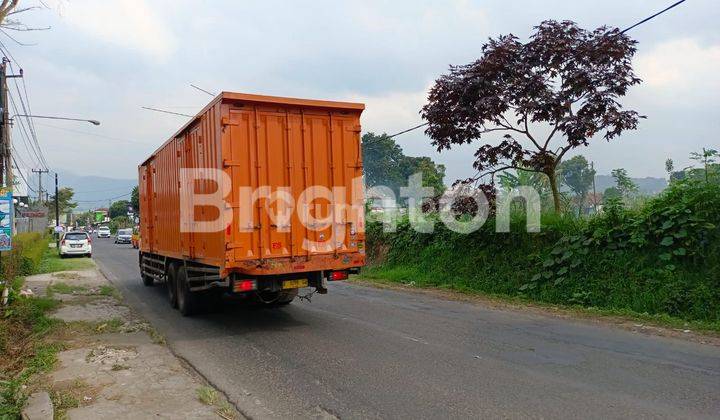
{"x": 554, "y": 187}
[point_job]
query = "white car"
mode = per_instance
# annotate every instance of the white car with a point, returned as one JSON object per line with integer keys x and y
{"x": 103, "y": 232}
{"x": 75, "y": 243}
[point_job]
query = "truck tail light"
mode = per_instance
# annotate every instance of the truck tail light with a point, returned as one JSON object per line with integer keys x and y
{"x": 339, "y": 275}
{"x": 244, "y": 285}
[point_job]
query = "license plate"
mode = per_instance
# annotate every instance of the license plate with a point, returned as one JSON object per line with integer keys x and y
{"x": 294, "y": 284}
{"x": 76, "y": 245}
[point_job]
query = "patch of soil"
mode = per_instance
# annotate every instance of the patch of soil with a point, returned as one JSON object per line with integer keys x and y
{"x": 16, "y": 346}
{"x": 111, "y": 355}
{"x": 95, "y": 310}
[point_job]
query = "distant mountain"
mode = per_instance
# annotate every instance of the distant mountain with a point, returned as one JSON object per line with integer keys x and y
{"x": 90, "y": 191}
{"x": 648, "y": 185}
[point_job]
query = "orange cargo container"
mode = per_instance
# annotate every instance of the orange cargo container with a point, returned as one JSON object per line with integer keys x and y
{"x": 257, "y": 195}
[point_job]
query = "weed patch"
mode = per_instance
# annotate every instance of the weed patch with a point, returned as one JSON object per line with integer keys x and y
{"x": 51, "y": 262}
{"x": 207, "y": 395}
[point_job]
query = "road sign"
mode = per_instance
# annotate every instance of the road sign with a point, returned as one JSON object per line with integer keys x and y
{"x": 6, "y": 216}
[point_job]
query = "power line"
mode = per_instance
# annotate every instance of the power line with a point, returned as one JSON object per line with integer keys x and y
{"x": 409, "y": 129}
{"x": 166, "y": 112}
{"x": 23, "y": 176}
{"x": 103, "y": 199}
{"x": 97, "y": 191}
{"x": 27, "y": 111}
{"x": 87, "y": 133}
{"x": 31, "y": 122}
{"x": 622, "y": 32}
{"x": 653, "y": 16}
{"x": 202, "y": 90}
{"x": 30, "y": 146}
{"x": 31, "y": 138}
{"x": 26, "y": 108}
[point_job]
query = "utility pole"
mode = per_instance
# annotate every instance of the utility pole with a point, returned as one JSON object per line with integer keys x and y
{"x": 40, "y": 173}
{"x": 6, "y": 172}
{"x": 57, "y": 212}
{"x": 6, "y": 160}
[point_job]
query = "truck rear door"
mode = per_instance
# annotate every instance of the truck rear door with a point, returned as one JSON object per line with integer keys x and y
{"x": 298, "y": 152}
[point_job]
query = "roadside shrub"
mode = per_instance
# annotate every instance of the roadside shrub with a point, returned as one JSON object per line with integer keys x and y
{"x": 31, "y": 248}
{"x": 24, "y": 259}
{"x": 660, "y": 258}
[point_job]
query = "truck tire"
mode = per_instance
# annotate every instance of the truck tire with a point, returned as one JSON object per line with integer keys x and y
{"x": 187, "y": 301}
{"x": 171, "y": 285}
{"x": 147, "y": 280}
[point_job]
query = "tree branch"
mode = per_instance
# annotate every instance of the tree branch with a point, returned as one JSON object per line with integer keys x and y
{"x": 25, "y": 9}
{"x": 562, "y": 153}
{"x": 527, "y": 133}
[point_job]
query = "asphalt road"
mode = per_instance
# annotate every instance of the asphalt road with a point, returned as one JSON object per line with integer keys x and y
{"x": 359, "y": 352}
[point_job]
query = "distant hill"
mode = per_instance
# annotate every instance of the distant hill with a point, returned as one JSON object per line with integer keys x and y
{"x": 648, "y": 185}
{"x": 90, "y": 191}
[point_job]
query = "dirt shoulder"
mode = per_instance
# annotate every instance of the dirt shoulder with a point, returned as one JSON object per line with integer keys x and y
{"x": 637, "y": 324}
{"x": 111, "y": 363}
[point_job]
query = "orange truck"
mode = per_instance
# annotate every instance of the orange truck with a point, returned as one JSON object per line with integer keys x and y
{"x": 256, "y": 195}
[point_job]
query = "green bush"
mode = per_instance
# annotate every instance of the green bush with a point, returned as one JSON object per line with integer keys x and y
{"x": 662, "y": 258}
{"x": 31, "y": 248}
{"x": 120, "y": 222}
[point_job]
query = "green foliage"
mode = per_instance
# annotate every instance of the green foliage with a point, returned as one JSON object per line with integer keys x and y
{"x": 624, "y": 184}
{"x": 85, "y": 219}
{"x": 521, "y": 177}
{"x": 612, "y": 194}
{"x": 26, "y": 317}
{"x": 135, "y": 199}
{"x": 669, "y": 167}
{"x": 385, "y": 164}
{"x": 28, "y": 249}
{"x": 25, "y": 320}
{"x": 207, "y": 395}
{"x": 706, "y": 158}
{"x": 65, "y": 203}
{"x": 118, "y": 209}
{"x": 120, "y": 222}
{"x": 577, "y": 175}
{"x": 661, "y": 259}
{"x": 432, "y": 173}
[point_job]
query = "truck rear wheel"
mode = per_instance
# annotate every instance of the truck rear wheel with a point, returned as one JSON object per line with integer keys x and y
{"x": 170, "y": 283}
{"x": 187, "y": 301}
{"x": 147, "y": 280}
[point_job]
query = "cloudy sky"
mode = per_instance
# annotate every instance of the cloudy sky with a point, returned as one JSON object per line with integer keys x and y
{"x": 106, "y": 59}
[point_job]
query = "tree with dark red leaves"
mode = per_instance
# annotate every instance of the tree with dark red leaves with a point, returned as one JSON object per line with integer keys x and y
{"x": 565, "y": 82}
